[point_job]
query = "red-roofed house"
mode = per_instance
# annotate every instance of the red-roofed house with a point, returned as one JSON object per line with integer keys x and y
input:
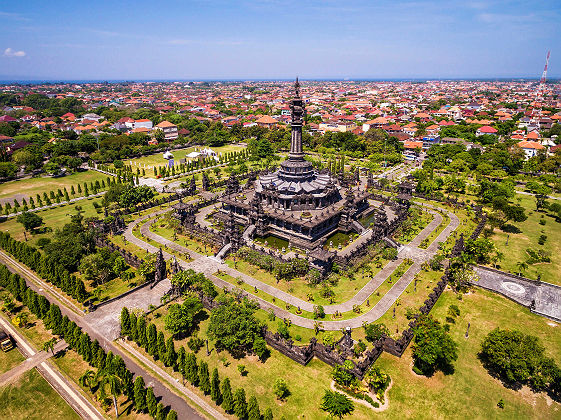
{"x": 530, "y": 148}
{"x": 486, "y": 129}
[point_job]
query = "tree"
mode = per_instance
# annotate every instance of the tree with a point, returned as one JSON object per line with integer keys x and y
{"x": 522, "y": 267}
{"x": 433, "y": 347}
{"x": 268, "y": 415}
{"x": 139, "y": 394}
{"x": 49, "y": 345}
{"x": 253, "y": 412}
{"x": 215, "y": 387}
{"x": 172, "y": 415}
{"x": 518, "y": 358}
{"x": 151, "y": 402}
{"x": 260, "y": 348}
{"x": 179, "y": 318}
{"x": 115, "y": 385}
{"x": 336, "y": 404}
{"x": 233, "y": 326}
{"x": 170, "y": 358}
{"x": 240, "y": 403}
{"x": 160, "y": 412}
{"x": 280, "y": 388}
{"x": 375, "y": 331}
{"x": 125, "y": 322}
{"x": 342, "y": 373}
{"x": 191, "y": 371}
{"x": 204, "y": 379}
{"x": 87, "y": 379}
{"x": 227, "y": 398}
{"x": 30, "y": 221}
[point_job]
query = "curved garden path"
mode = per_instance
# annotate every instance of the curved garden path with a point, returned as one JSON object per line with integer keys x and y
{"x": 210, "y": 265}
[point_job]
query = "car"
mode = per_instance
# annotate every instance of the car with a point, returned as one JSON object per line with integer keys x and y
{"x": 6, "y": 342}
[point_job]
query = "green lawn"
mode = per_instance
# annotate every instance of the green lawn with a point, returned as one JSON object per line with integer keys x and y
{"x": 31, "y": 397}
{"x": 518, "y": 243}
{"x": 471, "y": 392}
{"x": 348, "y": 283}
{"x": 10, "y": 359}
{"x": 158, "y": 160}
{"x": 53, "y": 218}
{"x": 33, "y": 186}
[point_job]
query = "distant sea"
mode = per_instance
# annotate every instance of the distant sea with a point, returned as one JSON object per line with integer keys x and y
{"x": 86, "y": 81}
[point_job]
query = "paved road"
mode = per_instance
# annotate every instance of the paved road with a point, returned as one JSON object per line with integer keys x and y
{"x": 168, "y": 397}
{"x": 209, "y": 266}
{"x": 67, "y": 389}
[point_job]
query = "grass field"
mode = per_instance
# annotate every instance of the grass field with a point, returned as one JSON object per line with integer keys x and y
{"x": 471, "y": 392}
{"x": 10, "y": 359}
{"x": 53, "y": 218}
{"x": 32, "y": 186}
{"x": 31, "y": 397}
{"x": 158, "y": 160}
{"x": 518, "y": 243}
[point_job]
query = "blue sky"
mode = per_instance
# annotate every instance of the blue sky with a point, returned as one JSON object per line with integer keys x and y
{"x": 208, "y": 39}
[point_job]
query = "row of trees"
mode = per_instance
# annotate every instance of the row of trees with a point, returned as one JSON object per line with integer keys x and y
{"x": 196, "y": 372}
{"x": 112, "y": 375}
{"x": 47, "y": 267}
{"x": 47, "y": 199}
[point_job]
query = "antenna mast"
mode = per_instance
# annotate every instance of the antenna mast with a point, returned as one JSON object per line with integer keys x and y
{"x": 541, "y": 87}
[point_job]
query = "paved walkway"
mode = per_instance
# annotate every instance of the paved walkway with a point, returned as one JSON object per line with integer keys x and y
{"x": 546, "y": 297}
{"x": 67, "y": 389}
{"x": 209, "y": 266}
{"x": 30, "y": 363}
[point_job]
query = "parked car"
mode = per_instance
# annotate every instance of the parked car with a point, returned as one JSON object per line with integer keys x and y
{"x": 6, "y": 342}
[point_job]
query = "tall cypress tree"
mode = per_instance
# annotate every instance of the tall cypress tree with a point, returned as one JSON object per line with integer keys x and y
{"x": 240, "y": 404}
{"x": 151, "y": 402}
{"x": 191, "y": 368}
{"x": 125, "y": 322}
{"x": 227, "y": 399}
{"x": 152, "y": 338}
{"x": 172, "y": 415}
{"x": 204, "y": 378}
{"x": 171, "y": 355}
{"x": 132, "y": 334}
{"x": 181, "y": 361}
{"x": 215, "y": 387}
{"x": 253, "y": 412}
{"x": 139, "y": 394}
{"x": 160, "y": 412}
{"x": 161, "y": 346}
{"x": 141, "y": 332}
{"x": 268, "y": 415}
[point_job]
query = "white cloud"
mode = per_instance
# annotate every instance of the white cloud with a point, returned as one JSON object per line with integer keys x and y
{"x": 8, "y": 52}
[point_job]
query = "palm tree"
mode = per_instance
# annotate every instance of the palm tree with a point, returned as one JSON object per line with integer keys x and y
{"x": 499, "y": 256}
{"x": 49, "y": 345}
{"x": 522, "y": 266}
{"x": 115, "y": 386}
{"x": 87, "y": 379}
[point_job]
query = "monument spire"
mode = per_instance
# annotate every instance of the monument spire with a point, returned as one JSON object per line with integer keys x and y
{"x": 297, "y": 112}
